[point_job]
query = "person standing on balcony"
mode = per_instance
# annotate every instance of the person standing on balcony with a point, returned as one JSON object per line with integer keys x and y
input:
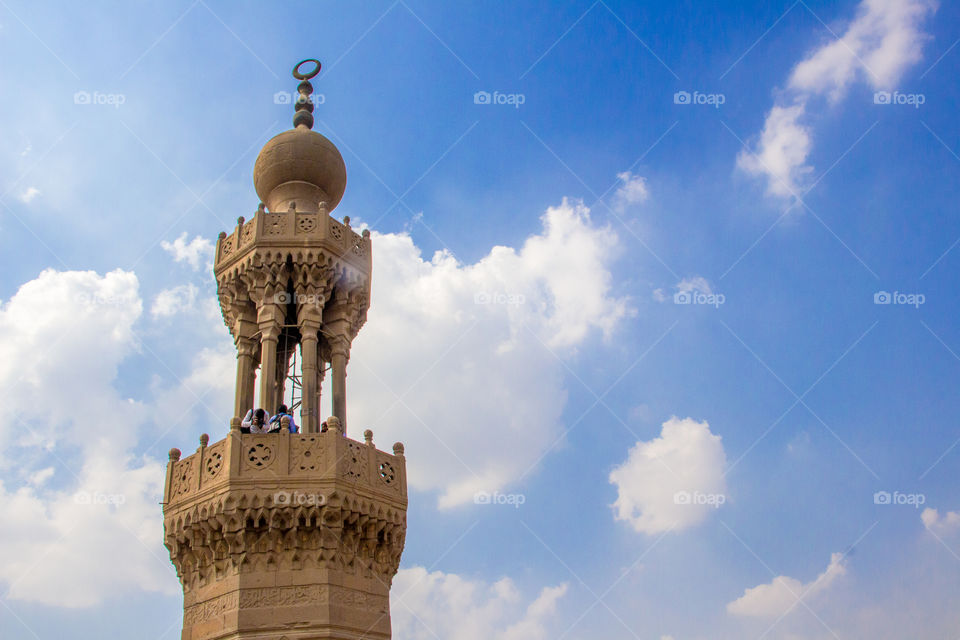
{"x": 282, "y": 412}
{"x": 255, "y": 422}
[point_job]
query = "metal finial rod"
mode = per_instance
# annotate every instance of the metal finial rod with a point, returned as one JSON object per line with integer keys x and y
{"x": 303, "y": 115}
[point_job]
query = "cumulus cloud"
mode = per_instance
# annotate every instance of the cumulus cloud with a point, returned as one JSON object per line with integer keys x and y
{"x": 427, "y": 605}
{"x": 877, "y": 47}
{"x": 945, "y": 524}
{"x": 780, "y": 595}
{"x": 782, "y": 152}
{"x": 170, "y": 302}
{"x": 463, "y": 362}
{"x": 27, "y": 195}
{"x": 62, "y": 335}
{"x": 88, "y": 527}
{"x": 672, "y": 482}
{"x": 632, "y": 190}
{"x": 197, "y": 252}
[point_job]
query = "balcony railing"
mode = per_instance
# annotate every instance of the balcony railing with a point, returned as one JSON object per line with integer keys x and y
{"x": 290, "y": 463}
{"x": 293, "y": 227}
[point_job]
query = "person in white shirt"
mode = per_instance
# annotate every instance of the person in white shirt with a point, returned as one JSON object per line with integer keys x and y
{"x": 255, "y": 422}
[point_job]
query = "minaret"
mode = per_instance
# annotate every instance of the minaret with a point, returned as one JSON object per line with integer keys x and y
{"x": 278, "y": 535}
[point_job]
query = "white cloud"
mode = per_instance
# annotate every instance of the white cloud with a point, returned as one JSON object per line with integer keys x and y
{"x": 463, "y": 361}
{"x": 879, "y": 45}
{"x": 27, "y": 195}
{"x": 782, "y": 153}
{"x": 427, "y": 605}
{"x": 882, "y": 42}
{"x": 62, "y": 339}
{"x": 62, "y": 335}
{"x": 671, "y": 482}
{"x": 198, "y": 252}
{"x": 172, "y": 301}
{"x": 944, "y": 524}
{"x": 695, "y": 283}
{"x": 40, "y": 476}
{"x": 777, "y": 597}
{"x": 632, "y": 190}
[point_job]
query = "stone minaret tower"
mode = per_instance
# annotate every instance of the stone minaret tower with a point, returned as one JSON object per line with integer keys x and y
{"x": 277, "y": 535}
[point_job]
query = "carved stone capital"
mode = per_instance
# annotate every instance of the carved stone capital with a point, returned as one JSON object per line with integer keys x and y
{"x": 246, "y": 346}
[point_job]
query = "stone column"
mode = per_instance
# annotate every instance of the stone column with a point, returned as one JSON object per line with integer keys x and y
{"x": 339, "y": 353}
{"x": 321, "y": 366}
{"x": 246, "y": 380}
{"x": 309, "y": 410}
{"x": 270, "y": 320}
{"x": 284, "y": 352}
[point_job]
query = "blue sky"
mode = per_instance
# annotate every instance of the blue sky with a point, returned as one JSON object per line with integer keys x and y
{"x": 595, "y": 207}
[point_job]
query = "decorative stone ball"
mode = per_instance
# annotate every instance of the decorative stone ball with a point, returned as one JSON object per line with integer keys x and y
{"x": 204, "y": 439}
{"x": 174, "y": 454}
{"x": 368, "y": 437}
{"x": 398, "y": 448}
